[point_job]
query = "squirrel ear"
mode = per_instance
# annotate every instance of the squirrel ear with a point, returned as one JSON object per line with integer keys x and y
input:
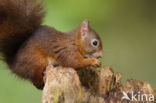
{"x": 85, "y": 28}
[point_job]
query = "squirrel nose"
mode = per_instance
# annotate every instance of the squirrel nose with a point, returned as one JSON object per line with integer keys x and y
{"x": 100, "y": 54}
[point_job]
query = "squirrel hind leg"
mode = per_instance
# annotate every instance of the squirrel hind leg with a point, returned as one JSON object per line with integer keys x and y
{"x": 39, "y": 82}
{"x": 39, "y": 76}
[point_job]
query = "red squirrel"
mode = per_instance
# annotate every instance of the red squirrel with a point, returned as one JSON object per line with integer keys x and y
{"x": 28, "y": 47}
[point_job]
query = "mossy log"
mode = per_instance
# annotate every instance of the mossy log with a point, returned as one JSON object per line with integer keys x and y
{"x": 93, "y": 86}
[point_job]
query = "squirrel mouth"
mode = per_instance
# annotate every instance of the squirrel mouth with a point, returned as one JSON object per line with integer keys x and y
{"x": 92, "y": 56}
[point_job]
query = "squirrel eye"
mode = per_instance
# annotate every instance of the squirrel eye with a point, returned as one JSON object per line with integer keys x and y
{"x": 94, "y": 42}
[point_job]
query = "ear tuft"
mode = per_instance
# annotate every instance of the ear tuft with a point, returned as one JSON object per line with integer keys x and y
{"x": 85, "y": 28}
{"x": 85, "y": 25}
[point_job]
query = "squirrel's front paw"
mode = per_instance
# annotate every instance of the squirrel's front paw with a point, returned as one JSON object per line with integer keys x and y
{"x": 95, "y": 62}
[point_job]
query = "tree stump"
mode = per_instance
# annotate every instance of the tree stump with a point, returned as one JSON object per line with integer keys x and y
{"x": 93, "y": 86}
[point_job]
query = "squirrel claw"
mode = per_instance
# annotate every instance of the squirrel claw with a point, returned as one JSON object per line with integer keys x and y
{"x": 44, "y": 76}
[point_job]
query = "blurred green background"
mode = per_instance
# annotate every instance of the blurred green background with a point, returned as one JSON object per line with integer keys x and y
{"x": 128, "y": 32}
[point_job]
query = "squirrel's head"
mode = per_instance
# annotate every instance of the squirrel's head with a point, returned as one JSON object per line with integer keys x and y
{"x": 90, "y": 41}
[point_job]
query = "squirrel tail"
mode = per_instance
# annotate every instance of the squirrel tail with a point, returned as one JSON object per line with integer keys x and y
{"x": 18, "y": 20}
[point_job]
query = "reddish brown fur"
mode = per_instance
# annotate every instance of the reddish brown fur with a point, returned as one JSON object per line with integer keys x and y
{"x": 18, "y": 19}
{"x": 28, "y": 47}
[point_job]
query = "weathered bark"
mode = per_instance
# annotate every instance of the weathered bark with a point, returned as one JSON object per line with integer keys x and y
{"x": 91, "y": 86}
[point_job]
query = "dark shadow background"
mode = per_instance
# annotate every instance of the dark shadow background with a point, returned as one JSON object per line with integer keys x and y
{"x": 128, "y": 32}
